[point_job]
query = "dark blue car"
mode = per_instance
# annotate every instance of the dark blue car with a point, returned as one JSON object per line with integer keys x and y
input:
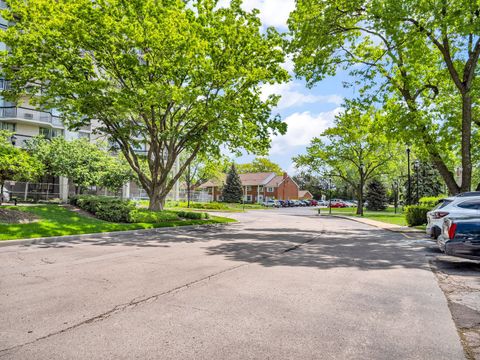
{"x": 461, "y": 237}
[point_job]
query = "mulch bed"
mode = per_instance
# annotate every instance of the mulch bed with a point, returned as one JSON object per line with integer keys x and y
{"x": 8, "y": 216}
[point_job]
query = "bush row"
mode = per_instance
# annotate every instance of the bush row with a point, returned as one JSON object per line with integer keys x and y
{"x": 197, "y": 205}
{"x": 117, "y": 210}
{"x": 147, "y": 216}
{"x": 105, "y": 208}
{"x": 416, "y": 214}
{"x": 193, "y": 215}
{"x": 430, "y": 201}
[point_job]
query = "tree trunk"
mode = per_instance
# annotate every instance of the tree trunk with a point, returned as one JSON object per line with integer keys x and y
{"x": 466, "y": 143}
{"x": 1, "y": 193}
{"x": 360, "y": 199}
{"x": 157, "y": 202}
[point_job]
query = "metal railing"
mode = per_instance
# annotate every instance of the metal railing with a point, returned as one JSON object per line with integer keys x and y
{"x": 31, "y": 192}
{"x": 12, "y": 112}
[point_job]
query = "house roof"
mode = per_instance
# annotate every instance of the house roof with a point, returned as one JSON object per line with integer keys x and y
{"x": 302, "y": 193}
{"x": 275, "y": 181}
{"x": 249, "y": 179}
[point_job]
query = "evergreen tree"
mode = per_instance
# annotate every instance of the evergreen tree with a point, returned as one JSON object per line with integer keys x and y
{"x": 376, "y": 196}
{"x": 232, "y": 190}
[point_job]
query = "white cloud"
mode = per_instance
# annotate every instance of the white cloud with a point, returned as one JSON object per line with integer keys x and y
{"x": 301, "y": 128}
{"x": 292, "y": 97}
{"x": 272, "y": 12}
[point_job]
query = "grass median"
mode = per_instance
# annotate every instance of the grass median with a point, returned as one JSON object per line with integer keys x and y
{"x": 55, "y": 220}
{"x": 387, "y": 216}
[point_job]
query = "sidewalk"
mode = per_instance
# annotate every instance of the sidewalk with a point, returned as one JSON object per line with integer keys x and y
{"x": 381, "y": 225}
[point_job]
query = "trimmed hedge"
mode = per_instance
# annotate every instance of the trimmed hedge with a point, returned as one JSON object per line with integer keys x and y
{"x": 416, "y": 214}
{"x": 193, "y": 215}
{"x": 431, "y": 201}
{"x": 105, "y": 208}
{"x": 148, "y": 216}
{"x": 117, "y": 210}
{"x": 197, "y": 205}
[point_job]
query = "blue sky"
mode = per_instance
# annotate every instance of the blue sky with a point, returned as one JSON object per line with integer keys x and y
{"x": 307, "y": 112}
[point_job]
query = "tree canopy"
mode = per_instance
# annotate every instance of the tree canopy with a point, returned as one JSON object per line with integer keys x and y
{"x": 354, "y": 150}
{"x": 168, "y": 76}
{"x": 15, "y": 163}
{"x": 82, "y": 162}
{"x": 417, "y": 58}
{"x": 259, "y": 164}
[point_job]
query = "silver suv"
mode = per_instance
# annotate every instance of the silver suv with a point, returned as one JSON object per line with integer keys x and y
{"x": 461, "y": 206}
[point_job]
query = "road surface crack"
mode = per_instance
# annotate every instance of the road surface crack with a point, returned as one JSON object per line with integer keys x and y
{"x": 122, "y": 307}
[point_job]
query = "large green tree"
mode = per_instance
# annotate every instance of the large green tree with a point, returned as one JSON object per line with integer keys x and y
{"x": 169, "y": 75}
{"x": 260, "y": 164}
{"x": 354, "y": 150}
{"x": 417, "y": 57}
{"x": 16, "y": 164}
{"x": 82, "y": 162}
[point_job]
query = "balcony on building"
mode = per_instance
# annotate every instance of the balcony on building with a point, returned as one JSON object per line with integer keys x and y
{"x": 29, "y": 116}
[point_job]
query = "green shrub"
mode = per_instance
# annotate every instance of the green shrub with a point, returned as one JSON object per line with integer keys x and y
{"x": 416, "y": 214}
{"x": 431, "y": 201}
{"x": 197, "y": 205}
{"x": 148, "y": 216}
{"x": 105, "y": 208}
{"x": 193, "y": 215}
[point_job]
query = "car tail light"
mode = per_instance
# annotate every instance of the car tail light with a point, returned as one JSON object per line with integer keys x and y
{"x": 451, "y": 231}
{"x": 439, "y": 214}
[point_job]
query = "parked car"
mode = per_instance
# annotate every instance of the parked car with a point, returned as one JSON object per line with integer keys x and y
{"x": 461, "y": 237}
{"x": 314, "y": 202}
{"x": 337, "y": 203}
{"x": 350, "y": 203}
{"x": 269, "y": 203}
{"x": 463, "y": 205}
{"x": 281, "y": 203}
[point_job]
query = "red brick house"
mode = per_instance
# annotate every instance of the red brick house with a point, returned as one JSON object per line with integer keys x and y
{"x": 304, "y": 195}
{"x": 258, "y": 187}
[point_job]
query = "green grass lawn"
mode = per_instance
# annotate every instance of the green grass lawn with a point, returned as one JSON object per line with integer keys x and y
{"x": 214, "y": 206}
{"x": 56, "y": 221}
{"x": 387, "y": 216}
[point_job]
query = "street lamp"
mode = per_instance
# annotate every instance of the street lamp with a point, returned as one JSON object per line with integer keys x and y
{"x": 416, "y": 166}
{"x": 330, "y": 195}
{"x": 360, "y": 201}
{"x": 395, "y": 195}
{"x": 409, "y": 186}
{"x": 13, "y": 139}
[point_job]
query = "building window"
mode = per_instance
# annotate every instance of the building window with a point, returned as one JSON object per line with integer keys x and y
{"x": 249, "y": 188}
{"x": 248, "y": 198}
{"x": 260, "y": 188}
{"x": 8, "y": 126}
{"x": 50, "y": 133}
{"x": 270, "y": 189}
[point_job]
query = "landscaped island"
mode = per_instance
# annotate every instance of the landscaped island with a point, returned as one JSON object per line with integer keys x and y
{"x": 58, "y": 220}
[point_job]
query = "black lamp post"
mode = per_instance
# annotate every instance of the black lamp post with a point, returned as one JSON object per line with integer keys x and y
{"x": 395, "y": 195}
{"x": 13, "y": 139}
{"x": 416, "y": 166}
{"x": 360, "y": 201}
{"x": 330, "y": 195}
{"x": 409, "y": 181}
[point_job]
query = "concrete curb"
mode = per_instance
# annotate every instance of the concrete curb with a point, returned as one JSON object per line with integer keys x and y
{"x": 68, "y": 238}
{"x": 380, "y": 225}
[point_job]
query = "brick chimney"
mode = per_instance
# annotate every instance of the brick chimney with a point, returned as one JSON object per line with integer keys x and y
{"x": 285, "y": 175}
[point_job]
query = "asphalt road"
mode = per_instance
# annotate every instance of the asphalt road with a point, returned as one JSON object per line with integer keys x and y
{"x": 281, "y": 284}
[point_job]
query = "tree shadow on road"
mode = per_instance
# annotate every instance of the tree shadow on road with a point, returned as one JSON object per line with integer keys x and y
{"x": 364, "y": 249}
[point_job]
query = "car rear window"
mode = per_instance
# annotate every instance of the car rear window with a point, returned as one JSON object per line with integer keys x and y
{"x": 442, "y": 204}
{"x": 470, "y": 204}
